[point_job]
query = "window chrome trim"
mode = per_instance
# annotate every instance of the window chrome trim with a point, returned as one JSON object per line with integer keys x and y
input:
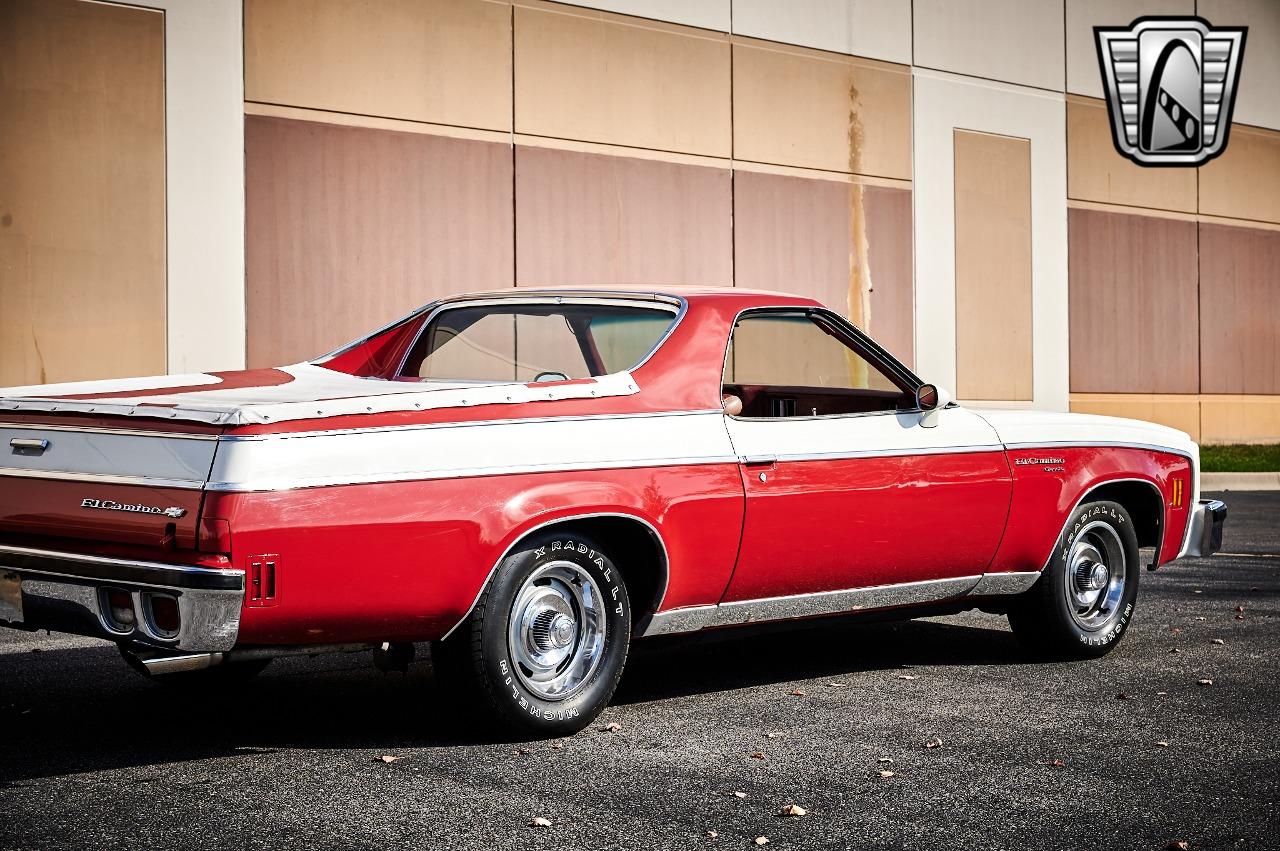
{"x": 678, "y": 304}
{"x": 665, "y": 567}
{"x": 103, "y": 478}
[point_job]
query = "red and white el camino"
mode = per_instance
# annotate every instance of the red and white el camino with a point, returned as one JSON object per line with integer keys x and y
{"x": 531, "y": 479}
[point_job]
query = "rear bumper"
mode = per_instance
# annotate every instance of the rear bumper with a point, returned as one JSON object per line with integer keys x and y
{"x": 66, "y": 592}
{"x": 1204, "y": 529}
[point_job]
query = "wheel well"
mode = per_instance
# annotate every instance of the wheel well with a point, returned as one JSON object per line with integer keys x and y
{"x": 1144, "y": 503}
{"x": 638, "y": 552}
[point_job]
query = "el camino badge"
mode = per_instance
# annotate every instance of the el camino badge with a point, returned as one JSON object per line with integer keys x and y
{"x": 110, "y": 505}
{"x": 1050, "y": 464}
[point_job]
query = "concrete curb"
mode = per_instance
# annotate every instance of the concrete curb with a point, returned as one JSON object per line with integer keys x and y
{"x": 1240, "y": 481}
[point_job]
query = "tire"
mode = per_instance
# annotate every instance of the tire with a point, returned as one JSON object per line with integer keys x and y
{"x": 541, "y": 653}
{"x": 228, "y": 674}
{"x": 1084, "y": 600}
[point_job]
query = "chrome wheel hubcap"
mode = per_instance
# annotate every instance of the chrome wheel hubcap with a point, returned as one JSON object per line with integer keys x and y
{"x": 1095, "y": 578}
{"x": 557, "y": 629}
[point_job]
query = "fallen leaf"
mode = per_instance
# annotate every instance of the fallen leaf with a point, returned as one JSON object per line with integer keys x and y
{"x": 886, "y": 774}
{"x": 557, "y": 746}
{"x": 1053, "y": 763}
{"x": 798, "y": 693}
{"x": 386, "y": 758}
{"x": 774, "y": 735}
{"x": 1162, "y": 744}
{"x": 1239, "y": 617}
{"x": 1197, "y": 591}
{"x": 711, "y": 834}
{"x": 762, "y": 840}
{"x": 1177, "y": 630}
{"x": 793, "y": 810}
{"x": 835, "y": 685}
{"x": 1205, "y": 682}
{"x": 1178, "y": 845}
{"x": 1161, "y": 693}
{"x": 1122, "y": 696}
{"x": 1239, "y": 608}
{"x": 1217, "y": 641}
{"x": 522, "y": 751}
{"x": 539, "y": 821}
{"x": 1202, "y": 619}
{"x": 738, "y": 794}
{"x": 611, "y": 727}
{"x": 907, "y": 677}
{"x": 1174, "y": 650}
{"x": 757, "y": 755}
{"x": 933, "y": 743}
{"x": 885, "y": 759}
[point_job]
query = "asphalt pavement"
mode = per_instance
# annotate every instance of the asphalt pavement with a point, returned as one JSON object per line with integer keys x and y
{"x": 1172, "y": 737}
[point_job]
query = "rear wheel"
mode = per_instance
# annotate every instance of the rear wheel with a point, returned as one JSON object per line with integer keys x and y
{"x": 543, "y": 649}
{"x": 1084, "y": 600}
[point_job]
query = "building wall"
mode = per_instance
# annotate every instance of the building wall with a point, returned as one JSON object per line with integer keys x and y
{"x": 938, "y": 170}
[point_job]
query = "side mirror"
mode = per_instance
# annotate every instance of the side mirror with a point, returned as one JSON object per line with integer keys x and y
{"x": 931, "y": 399}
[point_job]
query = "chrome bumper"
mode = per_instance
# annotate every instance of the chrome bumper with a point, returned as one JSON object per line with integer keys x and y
{"x": 66, "y": 592}
{"x": 1204, "y": 533}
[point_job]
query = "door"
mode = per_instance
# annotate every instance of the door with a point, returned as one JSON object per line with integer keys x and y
{"x": 848, "y": 484}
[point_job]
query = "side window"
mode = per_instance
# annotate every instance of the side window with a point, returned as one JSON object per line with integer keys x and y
{"x": 788, "y": 365}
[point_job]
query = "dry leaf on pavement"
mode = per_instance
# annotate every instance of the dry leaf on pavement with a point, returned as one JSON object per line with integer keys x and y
{"x": 1053, "y": 763}
{"x": 884, "y": 759}
{"x": 611, "y": 727}
{"x": 539, "y": 821}
{"x": 933, "y": 743}
{"x": 711, "y": 834}
{"x": 774, "y": 735}
{"x": 757, "y": 755}
{"x": 738, "y": 794}
{"x": 793, "y": 810}
{"x": 1205, "y": 682}
{"x": 386, "y": 758}
{"x": 1162, "y": 744}
{"x": 1217, "y": 641}
{"x": 762, "y": 840}
{"x": 886, "y": 774}
{"x": 907, "y": 677}
{"x": 798, "y": 693}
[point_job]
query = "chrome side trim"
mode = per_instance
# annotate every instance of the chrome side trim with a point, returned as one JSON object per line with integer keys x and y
{"x": 242, "y": 438}
{"x": 124, "y": 432}
{"x": 889, "y": 453}
{"x": 657, "y": 536}
{"x": 462, "y": 473}
{"x": 809, "y": 605}
{"x": 993, "y": 584}
{"x": 1086, "y": 444}
{"x": 102, "y": 478}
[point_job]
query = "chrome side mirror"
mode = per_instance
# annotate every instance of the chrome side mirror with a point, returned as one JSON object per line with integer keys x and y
{"x": 931, "y": 399}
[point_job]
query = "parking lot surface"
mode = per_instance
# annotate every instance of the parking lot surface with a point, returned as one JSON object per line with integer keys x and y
{"x": 1170, "y": 738}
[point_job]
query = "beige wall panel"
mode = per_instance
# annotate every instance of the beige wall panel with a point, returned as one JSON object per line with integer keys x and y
{"x": 82, "y": 188}
{"x": 1016, "y": 41}
{"x": 877, "y": 29}
{"x": 596, "y": 219}
{"x": 707, "y": 14}
{"x": 804, "y": 108}
{"x": 1239, "y": 310}
{"x": 1083, "y": 74}
{"x": 1133, "y": 281}
{"x": 1256, "y": 100}
{"x": 349, "y": 228}
{"x": 1180, "y": 412}
{"x": 1244, "y": 182}
{"x": 993, "y": 267}
{"x": 1240, "y": 419}
{"x": 1097, "y": 172}
{"x": 599, "y": 78}
{"x": 889, "y": 260}
{"x": 814, "y": 237}
{"x": 443, "y": 61}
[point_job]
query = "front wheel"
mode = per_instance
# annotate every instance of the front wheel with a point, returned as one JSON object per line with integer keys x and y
{"x": 542, "y": 650}
{"x": 1083, "y": 602}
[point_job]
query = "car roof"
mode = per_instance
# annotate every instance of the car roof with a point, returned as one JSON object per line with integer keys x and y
{"x": 688, "y": 293}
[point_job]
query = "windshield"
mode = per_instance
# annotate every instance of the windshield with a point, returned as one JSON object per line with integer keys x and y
{"x": 535, "y": 342}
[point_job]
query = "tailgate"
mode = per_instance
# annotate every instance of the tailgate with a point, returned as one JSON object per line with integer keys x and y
{"x": 106, "y": 484}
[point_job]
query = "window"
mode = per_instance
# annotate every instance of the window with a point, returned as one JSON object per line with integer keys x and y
{"x": 535, "y": 342}
{"x": 799, "y": 364}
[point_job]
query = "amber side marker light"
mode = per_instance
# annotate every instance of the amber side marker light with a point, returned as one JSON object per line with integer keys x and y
{"x": 1177, "y": 494}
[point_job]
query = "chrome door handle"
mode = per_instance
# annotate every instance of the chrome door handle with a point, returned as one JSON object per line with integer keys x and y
{"x": 28, "y": 446}
{"x": 759, "y": 460}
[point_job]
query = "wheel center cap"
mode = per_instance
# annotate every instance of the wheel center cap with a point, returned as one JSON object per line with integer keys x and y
{"x": 561, "y": 632}
{"x": 1099, "y": 577}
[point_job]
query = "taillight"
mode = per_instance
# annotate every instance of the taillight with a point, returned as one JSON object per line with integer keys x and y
{"x": 214, "y": 536}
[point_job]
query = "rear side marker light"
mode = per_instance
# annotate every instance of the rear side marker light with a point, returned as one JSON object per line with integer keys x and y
{"x": 166, "y": 618}
{"x": 264, "y": 581}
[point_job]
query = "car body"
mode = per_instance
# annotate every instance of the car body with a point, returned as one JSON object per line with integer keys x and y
{"x": 352, "y": 501}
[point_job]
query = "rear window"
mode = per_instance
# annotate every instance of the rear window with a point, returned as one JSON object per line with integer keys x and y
{"x": 535, "y": 342}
